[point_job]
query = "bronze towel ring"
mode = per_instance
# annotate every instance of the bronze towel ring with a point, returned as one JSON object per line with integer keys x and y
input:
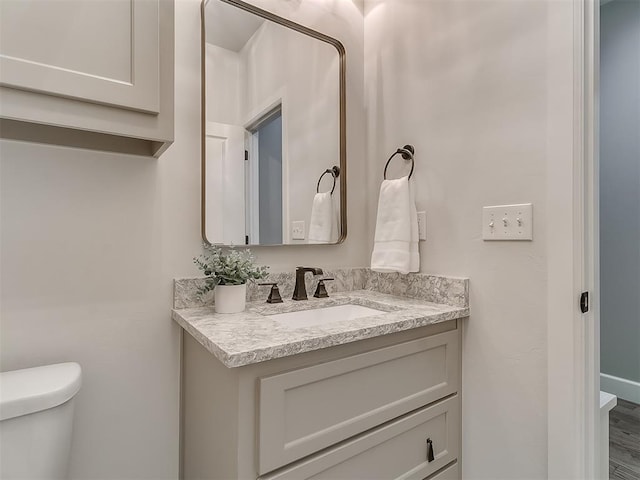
{"x": 407, "y": 153}
{"x": 334, "y": 172}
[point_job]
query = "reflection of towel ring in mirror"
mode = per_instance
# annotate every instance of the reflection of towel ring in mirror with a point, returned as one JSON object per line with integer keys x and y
{"x": 334, "y": 172}
{"x": 407, "y": 153}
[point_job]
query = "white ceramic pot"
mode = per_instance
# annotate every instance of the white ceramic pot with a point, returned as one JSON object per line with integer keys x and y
{"x": 230, "y": 298}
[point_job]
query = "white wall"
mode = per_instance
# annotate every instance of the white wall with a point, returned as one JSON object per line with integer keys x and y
{"x": 90, "y": 243}
{"x": 469, "y": 84}
{"x": 620, "y": 189}
{"x": 89, "y": 246}
{"x": 224, "y": 74}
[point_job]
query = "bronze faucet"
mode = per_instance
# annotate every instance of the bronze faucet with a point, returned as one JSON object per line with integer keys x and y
{"x": 300, "y": 290}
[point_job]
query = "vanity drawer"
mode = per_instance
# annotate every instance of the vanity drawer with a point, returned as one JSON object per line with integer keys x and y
{"x": 397, "y": 450}
{"x": 306, "y": 410}
{"x": 452, "y": 472}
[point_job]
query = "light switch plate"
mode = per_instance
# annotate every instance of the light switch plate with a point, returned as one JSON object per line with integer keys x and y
{"x": 422, "y": 225}
{"x": 297, "y": 230}
{"x": 508, "y": 222}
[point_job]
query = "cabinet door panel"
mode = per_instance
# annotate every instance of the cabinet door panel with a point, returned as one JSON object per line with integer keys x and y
{"x": 305, "y": 410}
{"x": 99, "y": 51}
{"x": 397, "y": 450}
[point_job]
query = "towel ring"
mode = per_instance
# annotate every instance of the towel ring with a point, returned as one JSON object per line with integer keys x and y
{"x": 407, "y": 153}
{"x": 334, "y": 172}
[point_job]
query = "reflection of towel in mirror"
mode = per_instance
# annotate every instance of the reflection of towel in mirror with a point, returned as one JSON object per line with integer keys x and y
{"x": 395, "y": 247}
{"x": 322, "y": 218}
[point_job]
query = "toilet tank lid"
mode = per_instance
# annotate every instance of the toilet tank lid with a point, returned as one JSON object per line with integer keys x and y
{"x": 35, "y": 389}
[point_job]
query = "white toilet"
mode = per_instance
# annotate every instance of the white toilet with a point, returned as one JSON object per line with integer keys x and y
{"x": 36, "y": 419}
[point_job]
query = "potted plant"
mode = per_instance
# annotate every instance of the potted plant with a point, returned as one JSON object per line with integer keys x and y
{"x": 227, "y": 274}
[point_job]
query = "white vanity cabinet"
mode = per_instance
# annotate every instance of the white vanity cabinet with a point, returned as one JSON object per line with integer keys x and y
{"x": 363, "y": 410}
{"x": 95, "y": 75}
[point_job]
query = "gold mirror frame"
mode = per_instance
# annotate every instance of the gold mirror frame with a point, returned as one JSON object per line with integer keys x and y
{"x": 343, "y": 111}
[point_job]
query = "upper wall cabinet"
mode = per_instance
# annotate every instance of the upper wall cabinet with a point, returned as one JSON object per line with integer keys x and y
{"x": 95, "y": 75}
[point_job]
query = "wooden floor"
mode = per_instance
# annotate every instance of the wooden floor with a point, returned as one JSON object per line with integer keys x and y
{"x": 624, "y": 441}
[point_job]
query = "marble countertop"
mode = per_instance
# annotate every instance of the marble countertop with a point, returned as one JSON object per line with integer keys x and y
{"x": 253, "y": 336}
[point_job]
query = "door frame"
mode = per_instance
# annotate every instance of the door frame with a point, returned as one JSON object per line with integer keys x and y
{"x": 220, "y": 212}
{"x": 574, "y": 337}
{"x": 253, "y": 187}
{"x": 279, "y": 101}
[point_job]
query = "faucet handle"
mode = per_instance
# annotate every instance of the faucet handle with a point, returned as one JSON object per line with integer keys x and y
{"x": 274, "y": 294}
{"x": 321, "y": 290}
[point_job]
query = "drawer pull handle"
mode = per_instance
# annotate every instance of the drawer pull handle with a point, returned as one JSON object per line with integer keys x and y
{"x": 430, "y": 456}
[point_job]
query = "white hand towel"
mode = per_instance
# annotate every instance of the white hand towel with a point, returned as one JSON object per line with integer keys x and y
{"x": 322, "y": 218}
{"x": 396, "y": 240}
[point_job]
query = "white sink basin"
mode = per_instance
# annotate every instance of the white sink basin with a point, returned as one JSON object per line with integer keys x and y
{"x": 319, "y": 316}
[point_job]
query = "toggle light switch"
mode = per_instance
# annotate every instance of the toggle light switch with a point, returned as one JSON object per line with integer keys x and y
{"x": 508, "y": 222}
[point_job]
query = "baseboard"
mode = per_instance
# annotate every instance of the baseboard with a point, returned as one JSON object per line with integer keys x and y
{"x": 620, "y": 387}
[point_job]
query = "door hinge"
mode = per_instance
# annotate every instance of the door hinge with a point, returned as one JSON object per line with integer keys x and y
{"x": 584, "y": 302}
{"x": 246, "y": 239}
{"x": 246, "y": 154}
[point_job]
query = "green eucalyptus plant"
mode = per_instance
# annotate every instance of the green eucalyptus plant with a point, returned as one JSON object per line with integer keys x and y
{"x": 230, "y": 267}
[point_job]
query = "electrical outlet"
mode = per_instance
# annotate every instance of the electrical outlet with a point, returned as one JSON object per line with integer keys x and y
{"x": 297, "y": 230}
{"x": 508, "y": 222}
{"x": 422, "y": 225}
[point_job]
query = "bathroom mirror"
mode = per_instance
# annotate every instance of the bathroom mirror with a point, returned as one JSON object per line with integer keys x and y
{"x": 274, "y": 141}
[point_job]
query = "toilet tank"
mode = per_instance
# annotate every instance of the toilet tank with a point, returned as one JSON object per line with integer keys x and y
{"x": 36, "y": 421}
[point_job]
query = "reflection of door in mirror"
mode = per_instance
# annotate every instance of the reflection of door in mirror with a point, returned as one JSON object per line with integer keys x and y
{"x": 264, "y": 170}
{"x": 224, "y": 147}
{"x": 274, "y": 122}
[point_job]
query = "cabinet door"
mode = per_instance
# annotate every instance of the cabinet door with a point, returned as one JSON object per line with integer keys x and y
{"x": 99, "y": 51}
{"x": 395, "y": 451}
{"x": 305, "y": 410}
